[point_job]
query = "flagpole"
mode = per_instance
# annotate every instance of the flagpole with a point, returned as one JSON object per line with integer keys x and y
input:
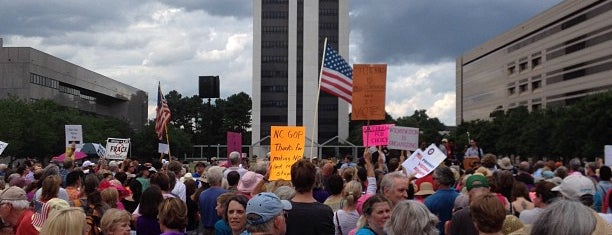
{"x": 168, "y": 142}
{"x": 316, "y": 110}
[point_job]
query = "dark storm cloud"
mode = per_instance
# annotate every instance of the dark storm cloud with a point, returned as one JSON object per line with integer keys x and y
{"x": 423, "y": 31}
{"x": 48, "y": 18}
{"x": 232, "y": 8}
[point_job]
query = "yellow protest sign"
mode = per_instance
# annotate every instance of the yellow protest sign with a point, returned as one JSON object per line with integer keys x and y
{"x": 286, "y": 147}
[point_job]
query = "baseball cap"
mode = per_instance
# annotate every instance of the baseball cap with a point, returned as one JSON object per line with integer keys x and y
{"x": 575, "y": 186}
{"x": 265, "y": 206}
{"x": 476, "y": 181}
{"x": 13, "y": 193}
{"x": 88, "y": 164}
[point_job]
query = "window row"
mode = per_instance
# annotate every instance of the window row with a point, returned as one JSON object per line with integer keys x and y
{"x": 525, "y": 64}
{"x": 274, "y": 104}
{"x": 524, "y": 87}
{"x": 274, "y": 59}
{"x": 43, "y": 81}
{"x": 328, "y": 12}
{"x": 274, "y": 29}
{"x": 274, "y": 89}
{"x": 274, "y": 15}
{"x": 274, "y": 44}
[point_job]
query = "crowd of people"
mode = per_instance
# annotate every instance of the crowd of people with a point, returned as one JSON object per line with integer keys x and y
{"x": 370, "y": 195}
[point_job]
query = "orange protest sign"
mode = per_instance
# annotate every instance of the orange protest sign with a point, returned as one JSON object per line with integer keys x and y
{"x": 286, "y": 147}
{"x": 369, "y": 86}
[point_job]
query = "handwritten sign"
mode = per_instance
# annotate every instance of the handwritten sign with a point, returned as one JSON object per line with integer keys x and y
{"x": 374, "y": 135}
{"x": 405, "y": 138}
{"x": 234, "y": 142}
{"x": 74, "y": 133}
{"x": 369, "y": 87}
{"x": 286, "y": 147}
{"x": 2, "y": 146}
{"x": 117, "y": 148}
{"x": 163, "y": 148}
{"x": 424, "y": 162}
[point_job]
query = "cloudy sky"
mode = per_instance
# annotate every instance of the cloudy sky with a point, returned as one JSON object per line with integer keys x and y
{"x": 174, "y": 41}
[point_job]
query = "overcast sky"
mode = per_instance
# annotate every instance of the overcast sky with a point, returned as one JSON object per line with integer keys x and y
{"x": 174, "y": 41}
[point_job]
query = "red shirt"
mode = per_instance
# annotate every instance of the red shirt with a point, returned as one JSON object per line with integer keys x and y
{"x": 24, "y": 225}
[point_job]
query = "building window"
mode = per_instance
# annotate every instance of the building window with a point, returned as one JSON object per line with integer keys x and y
{"x": 523, "y": 66}
{"x": 535, "y": 62}
{"x": 511, "y": 70}
{"x": 522, "y": 88}
{"x": 536, "y": 84}
{"x": 511, "y": 91}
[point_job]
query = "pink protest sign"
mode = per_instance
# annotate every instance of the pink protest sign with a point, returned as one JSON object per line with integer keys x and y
{"x": 234, "y": 142}
{"x": 374, "y": 135}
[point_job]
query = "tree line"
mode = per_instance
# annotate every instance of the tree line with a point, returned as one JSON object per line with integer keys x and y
{"x": 36, "y": 128}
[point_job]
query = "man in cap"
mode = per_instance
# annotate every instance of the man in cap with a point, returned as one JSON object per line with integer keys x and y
{"x": 577, "y": 188}
{"x": 15, "y": 210}
{"x": 265, "y": 214}
{"x": 461, "y": 221}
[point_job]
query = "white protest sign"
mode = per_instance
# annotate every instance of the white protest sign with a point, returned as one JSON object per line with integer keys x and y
{"x": 163, "y": 148}
{"x": 2, "y": 146}
{"x": 117, "y": 148}
{"x": 404, "y": 138}
{"x": 74, "y": 133}
{"x": 424, "y": 162}
{"x": 607, "y": 155}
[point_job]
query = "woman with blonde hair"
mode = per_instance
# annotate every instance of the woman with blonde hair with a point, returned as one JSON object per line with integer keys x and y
{"x": 110, "y": 196}
{"x": 345, "y": 219}
{"x": 115, "y": 222}
{"x": 172, "y": 216}
{"x": 65, "y": 221}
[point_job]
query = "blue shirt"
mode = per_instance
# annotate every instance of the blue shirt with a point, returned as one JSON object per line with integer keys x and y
{"x": 222, "y": 228}
{"x": 441, "y": 204}
{"x": 207, "y": 203}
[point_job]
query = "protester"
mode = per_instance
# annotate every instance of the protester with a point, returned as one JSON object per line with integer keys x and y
{"x": 64, "y": 221}
{"x": 442, "y": 201}
{"x": 320, "y": 216}
{"x": 179, "y": 187}
{"x": 207, "y": 200}
{"x": 520, "y": 199}
{"x": 425, "y": 190}
{"x": 221, "y": 226}
{"x": 394, "y": 186}
{"x": 266, "y": 214}
{"x": 565, "y": 217}
{"x": 147, "y": 222}
{"x": 488, "y": 214}
{"x": 345, "y": 219}
{"x": 115, "y": 222}
{"x": 602, "y": 187}
{"x": 544, "y": 196}
{"x": 172, "y": 216}
{"x": 192, "y": 206}
{"x": 235, "y": 212}
{"x": 234, "y": 161}
{"x": 376, "y": 212}
{"x": 411, "y": 217}
{"x": 461, "y": 222}
{"x": 334, "y": 201}
{"x": 15, "y": 210}
{"x": 248, "y": 182}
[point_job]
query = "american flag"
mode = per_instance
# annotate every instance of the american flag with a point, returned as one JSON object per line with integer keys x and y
{"x": 163, "y": 114}
{"x": 337, "y": 75}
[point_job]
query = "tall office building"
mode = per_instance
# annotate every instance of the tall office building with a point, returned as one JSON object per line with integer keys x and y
{"x": 288, "y": 38}
{"x": 551, "y": 60}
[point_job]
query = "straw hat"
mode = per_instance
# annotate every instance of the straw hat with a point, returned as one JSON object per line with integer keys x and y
{"x": 425, "y": 188}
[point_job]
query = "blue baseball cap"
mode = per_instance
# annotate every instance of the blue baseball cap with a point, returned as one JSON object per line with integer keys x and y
{"x": 265, "y": 206}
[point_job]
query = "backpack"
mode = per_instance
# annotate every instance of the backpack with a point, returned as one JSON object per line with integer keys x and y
{"x": 92, "y": 217}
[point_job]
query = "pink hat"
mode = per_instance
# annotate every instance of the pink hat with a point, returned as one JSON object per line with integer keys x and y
{"x": 248, "y": 181}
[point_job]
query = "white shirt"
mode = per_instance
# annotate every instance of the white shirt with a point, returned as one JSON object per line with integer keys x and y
{"x": 180, "y": 190}
{"x": 239, "y": 169}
